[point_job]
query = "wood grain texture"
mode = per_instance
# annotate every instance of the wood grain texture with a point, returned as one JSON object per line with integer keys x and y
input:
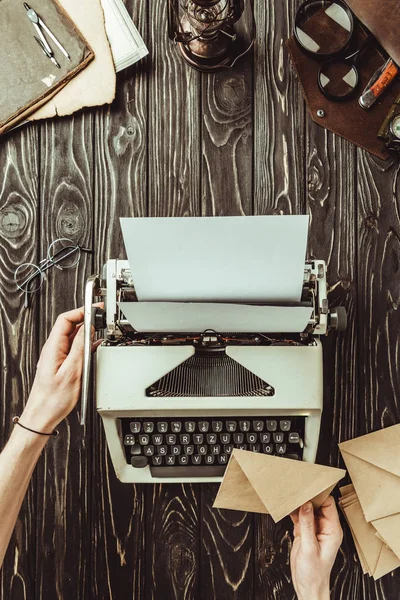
{"x": 179, "y": 143}
{"x": 332, "y": 206}
{"x": 279, "y": 142}
{"x": 18, "y": 333}
{"x": 227, "y": 165}
{"x": 120, "y": 190}
{"x": 63, "y": 494}
{"x": 272, "y": 545}
{"x": 227, "y": 550}
{"x": 378, "y": 231}
{"x": 174, "y": 141}
{"x": 172, "y": 531}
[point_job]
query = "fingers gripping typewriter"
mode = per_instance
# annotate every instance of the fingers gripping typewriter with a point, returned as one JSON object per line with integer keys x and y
{"x": 176, "y": 399}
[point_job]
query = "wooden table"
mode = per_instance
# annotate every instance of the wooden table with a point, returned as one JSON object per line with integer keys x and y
{"x": 174, "y": 143}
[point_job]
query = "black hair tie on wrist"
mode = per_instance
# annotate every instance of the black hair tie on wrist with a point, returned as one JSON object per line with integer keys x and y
{"x": 16, "y": 422}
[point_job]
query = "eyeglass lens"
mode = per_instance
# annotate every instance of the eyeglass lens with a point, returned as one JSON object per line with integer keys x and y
{"x": 323, "y": 27}
{"x": 29, "y": 278}
{"x": 63, "y": 253}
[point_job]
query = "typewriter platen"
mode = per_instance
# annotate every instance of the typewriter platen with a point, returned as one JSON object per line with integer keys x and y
{"x": 174, "y": 404}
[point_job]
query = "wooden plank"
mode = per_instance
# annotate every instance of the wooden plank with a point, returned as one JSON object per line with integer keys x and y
{"x": 332, "y": 206}
{"x": 378, "y": 234}
{"x": 279, "y": 164}
{"x": 278, "y": 115}
{"x": 118, "y": 522}
{"x": 18, "y": 333}
{"x": 227, "y": 550}
{"x": 63, "y": 497}
{"x": 173, "y": 190}
{"x": 174, "y": 126}
{"x": 227, "y": 168}
{"x": 172, "y": 534}
{"x": 226, "y": 189}
{"x": 272, "y": 543}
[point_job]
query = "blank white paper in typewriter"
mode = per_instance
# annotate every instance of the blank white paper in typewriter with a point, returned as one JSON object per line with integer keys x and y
{"x": 217, "y": 259}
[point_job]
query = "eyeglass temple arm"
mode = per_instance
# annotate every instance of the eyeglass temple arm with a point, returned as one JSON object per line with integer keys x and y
{"x": 92, "y": 289}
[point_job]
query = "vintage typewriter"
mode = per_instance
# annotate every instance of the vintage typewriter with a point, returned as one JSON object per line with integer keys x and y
{"x": 175, "y": 403}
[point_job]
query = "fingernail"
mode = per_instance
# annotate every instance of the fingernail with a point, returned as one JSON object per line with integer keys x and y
{"x": 307, "y": 508}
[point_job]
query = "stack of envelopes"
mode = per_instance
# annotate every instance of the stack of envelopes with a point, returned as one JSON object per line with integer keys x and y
{"x": 372, "y": 505}
{"x": 274, "y": 485}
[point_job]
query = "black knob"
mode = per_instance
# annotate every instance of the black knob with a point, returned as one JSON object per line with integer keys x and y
{"x": 338, "y": 318}
{"x": 99, "y": 318}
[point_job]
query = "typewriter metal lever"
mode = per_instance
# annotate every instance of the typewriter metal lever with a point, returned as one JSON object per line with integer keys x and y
{"x": 92, "y": 316}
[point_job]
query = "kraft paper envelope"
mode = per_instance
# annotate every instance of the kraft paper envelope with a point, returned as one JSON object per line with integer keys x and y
{"x": 374, "y": 466}
{"x": 388, "y": 530}
{"x": 375, "y": 557}
{"x": 363, "y": 562}
{"x": 273, "y": 485}
{"x": 380, "y": 559}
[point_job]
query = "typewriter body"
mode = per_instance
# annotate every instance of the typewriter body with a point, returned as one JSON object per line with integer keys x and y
{"x": 174, "y": 404}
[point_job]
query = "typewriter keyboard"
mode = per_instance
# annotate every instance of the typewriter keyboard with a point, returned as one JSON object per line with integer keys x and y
{"x": 198, "y": 446}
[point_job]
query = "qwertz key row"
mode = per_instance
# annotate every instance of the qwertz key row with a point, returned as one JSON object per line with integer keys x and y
{"x": 200, "y": 447}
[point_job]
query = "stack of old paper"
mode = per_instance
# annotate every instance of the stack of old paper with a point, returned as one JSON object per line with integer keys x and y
{"x": 273, "y": 485}
{"x": 372, "y": 506}
{"x": 116, "y": 44}
{"x": 28, "y": 79}
{"x": 96, "y": 84}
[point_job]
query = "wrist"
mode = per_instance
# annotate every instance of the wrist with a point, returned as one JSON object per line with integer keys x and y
{"x": 26, "y": 440}
{"x": 321, "y": 593}
{"x": 35, "y": 417}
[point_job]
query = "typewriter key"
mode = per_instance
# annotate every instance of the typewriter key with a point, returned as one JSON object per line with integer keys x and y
{"x": 138, "y": 461}
{"x": 217, "y": 426}
{"x": 284, "y": 425}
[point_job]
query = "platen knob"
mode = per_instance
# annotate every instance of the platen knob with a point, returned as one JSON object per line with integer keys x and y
{"x": 338, "y": 318}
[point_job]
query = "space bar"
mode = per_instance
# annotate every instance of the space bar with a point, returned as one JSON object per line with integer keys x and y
{"x": 190, "y": 471}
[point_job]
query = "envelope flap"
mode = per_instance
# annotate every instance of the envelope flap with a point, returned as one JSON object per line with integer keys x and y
{"x": 389, "y": 531}
{"x": 377, "y": 489}
{"x": 236, "y": 492}
{"x": 387, "y": 562}
{"x": 380, "y": 448}
{"x": 284, "y": 484}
